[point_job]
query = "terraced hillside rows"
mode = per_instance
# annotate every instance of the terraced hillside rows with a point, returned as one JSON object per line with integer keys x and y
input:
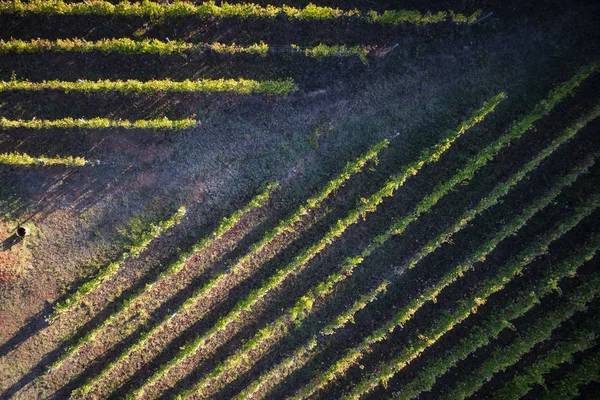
{"x": 237, "y": 200}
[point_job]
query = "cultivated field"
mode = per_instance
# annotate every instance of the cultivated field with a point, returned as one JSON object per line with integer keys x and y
{"x": 273, "y": 200}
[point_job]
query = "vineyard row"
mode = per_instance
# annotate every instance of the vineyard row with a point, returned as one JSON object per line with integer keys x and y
{"x": 287, "y": 225}
{"x": 367, "y": 205}
{"x": 237, "y": 86}
{"x": 224, "y": 226}
{"x": 209, "y": 9}
{"x": 156, "y": 46}
{"x": 135, "y": 249}
{"x": 515, "y": 132}
{"x": 518, "y": 305}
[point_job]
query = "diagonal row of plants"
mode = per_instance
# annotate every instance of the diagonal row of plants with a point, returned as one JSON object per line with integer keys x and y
{"x": 519, "y": 304}
{"x": 568, "y": 386}
{"x": 561, "y": 353}
{"x": 464, "y": 307}
{"x": 133, "y": 252}
{"x": 487, "y": 154}
{"x": 120, "y": 313}
{"x": 538, "y": 331}
{"x": 243, "y": 267}
{"x": 306, "y": 352}
{"x": 227, "y": 224}
{"x": 241, "y": 361}
{"x": 368, "y": 205}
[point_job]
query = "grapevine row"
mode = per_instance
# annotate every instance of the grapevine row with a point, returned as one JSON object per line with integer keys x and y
{"x": 367, "y": 205}
{"x": 567, "y": 387}
{"x": 562, "y": 352}
{"x": 269, "y": 335}
{"x": 225, "y": 10}
{"x": 127, "y": 304}
{"x": 97, "y": 123}
{"x": 536, "y": 332}
{"x": 518, "y": 305}
{"x": 238, "y": 86}
{"x": 352, "y": 168}
{"x": 156, "y": 46}
{"x": 136, "y": 248}
{"x": 465, "y": 308}
{"x": 308, "y": 350}
{"x": 473, "y": 164}
{"x": 25, "y": 159}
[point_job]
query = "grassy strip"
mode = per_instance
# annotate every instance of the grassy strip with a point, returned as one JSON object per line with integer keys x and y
{"x": 519, "y": 304}
{"x": 134, "y": 251}
{"x": 352, "y": 168}
{"x": 155, "y": 46}
{"x": 562, "y": 352}
{"x": 225, "y": 10}
{"x": 237, "y": 86}
{"x": 367, "y": 205}
{"x": 465, "y": 307}
{"x": 25, "y": 159}
{"x": 567, "y": 387}
{"x": 515, "y": 132}
{"x": 537, "y": 332}
{"x": 224, "y": 226}
{"x": 97, "y": 123}
{"x": 269, "y": 335}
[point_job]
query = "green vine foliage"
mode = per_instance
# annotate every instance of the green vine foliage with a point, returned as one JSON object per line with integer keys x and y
{"x": 98, "y": 123}
{"x": 104, "y": 274}
{"x": 237, "y": 86}
{"x": 287, "y": 225}
{"x": 367, "y": 205}
{"x": 25, "y": 159}
{"x": 448, "y": 320}
{"x": 519, "y": 304}
{"x": 210, "y": 9}
{"x": 224, "y": 226}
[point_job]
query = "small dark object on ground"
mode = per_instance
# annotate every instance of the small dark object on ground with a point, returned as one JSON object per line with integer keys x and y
{"x": 22, "y": 231}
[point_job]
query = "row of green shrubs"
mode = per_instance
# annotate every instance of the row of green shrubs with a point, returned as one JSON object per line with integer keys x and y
{"x": 449, "y": 319}
{"x": 297, "y": 313}
{"x": 15, "y": 158}
{"x": 561, "y": 353}
{"x": 473, "y": 164}
{"x": 134, "y": 250}
{"x": 210, "y": 9}
{"x": 538, "y": 331}
{"x": 567, "y": 387}
{"x": 366, "y": 206}
{"x": 237, "y": 86}
{"x": 287, "y": 225}
{"x": 224, "y": 226}
{"x": 517, "y": 306}
{"x": 156, "y": 46}
{"x": 97, "y": 123}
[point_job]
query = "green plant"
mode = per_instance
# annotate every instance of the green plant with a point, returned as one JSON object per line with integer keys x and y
{"x": 224, "y": 226}
{"x": 284, "y": 226}
{"x": 238, "y": 86}
{"x": 24, "y": 159}
{"x": 97, "y": 123}
{"x": 449, "y": 319}
{"x": 366, "y": 206}
{"x": 135, "y": 249}
{"x": 209, "y": 9}
{"x": 518, "y": 305}
{"x": 567, "y": 387}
